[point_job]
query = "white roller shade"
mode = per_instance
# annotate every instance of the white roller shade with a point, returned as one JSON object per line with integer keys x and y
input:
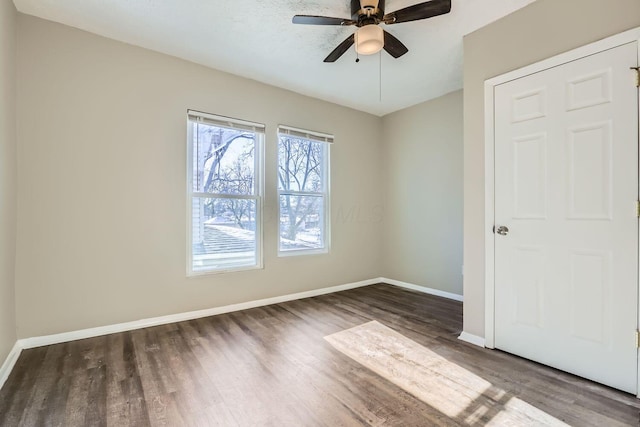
{"x": 306, "y": 134}
{"x": 224, "y": 122}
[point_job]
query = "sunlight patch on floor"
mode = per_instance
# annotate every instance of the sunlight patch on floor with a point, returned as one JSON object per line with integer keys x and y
{"x": 444, "y": 385}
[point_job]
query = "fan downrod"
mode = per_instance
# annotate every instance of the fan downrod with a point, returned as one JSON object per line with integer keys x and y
{"x": 357, "y": 12}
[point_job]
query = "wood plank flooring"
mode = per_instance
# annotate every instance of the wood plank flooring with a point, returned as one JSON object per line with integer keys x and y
{"x": 271, "y": 366}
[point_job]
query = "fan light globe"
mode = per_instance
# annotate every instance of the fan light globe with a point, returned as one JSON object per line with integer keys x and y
{"x": 369, "y": 40}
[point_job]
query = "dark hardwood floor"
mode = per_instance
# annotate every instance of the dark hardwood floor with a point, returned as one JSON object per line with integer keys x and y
{"x": 270, "y": 366}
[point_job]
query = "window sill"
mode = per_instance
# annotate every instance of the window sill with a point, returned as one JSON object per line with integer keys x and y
{"x": 196, "y": 274}
{"x": 295, "y": 253}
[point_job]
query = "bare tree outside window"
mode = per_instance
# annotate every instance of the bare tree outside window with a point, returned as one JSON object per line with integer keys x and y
{"x": 302, "y": 184}
{"x": 225, "y": 199}
{"x": 227, "y": 167}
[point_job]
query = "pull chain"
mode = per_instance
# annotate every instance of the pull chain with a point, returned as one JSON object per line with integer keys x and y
{"x": 380, "y": 75}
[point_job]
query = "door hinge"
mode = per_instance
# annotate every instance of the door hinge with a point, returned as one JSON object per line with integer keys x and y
{"x": 638, "y": 208}
{"x": 637, "y": 339}
{"x": 637, "y": 70}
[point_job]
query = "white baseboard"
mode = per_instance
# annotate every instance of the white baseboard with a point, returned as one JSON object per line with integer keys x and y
{"x": 464, "y": 336}
{"x": 179, "y": 317}
{"x": 471, "y": 339}
{"x": 422, "y": 289}
{"x": 9, "y": 363}
{"x": 40, "y": 341}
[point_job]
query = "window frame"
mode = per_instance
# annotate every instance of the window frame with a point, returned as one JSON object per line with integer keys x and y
{"x": 257, "y": 196}
{"x": 326, "y": 140}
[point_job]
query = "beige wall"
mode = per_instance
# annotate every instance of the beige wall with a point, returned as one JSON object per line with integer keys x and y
{"x": 422, "y": 160}
{"x": 7, "y": 176}
{"x": 540, "y": 30}
{"x": 101, "y": 173}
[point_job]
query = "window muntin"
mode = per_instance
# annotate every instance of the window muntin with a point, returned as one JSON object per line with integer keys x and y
{"x": 225, "y": 194}
{"x": 303, "y": 190}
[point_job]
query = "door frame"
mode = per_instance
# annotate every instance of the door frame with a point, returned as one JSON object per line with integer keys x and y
{"x": 614, "y": 41}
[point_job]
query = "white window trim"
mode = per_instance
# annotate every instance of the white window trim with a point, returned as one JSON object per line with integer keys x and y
{"x": 327, "y": 140}
{"x": 258, "y": 197}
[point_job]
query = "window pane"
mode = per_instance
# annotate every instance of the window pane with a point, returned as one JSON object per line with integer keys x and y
{"x": 301, "y": 164}
{"x": 224, "y": 233}
{"x": 301, "y": 222}
{"x": 223, "y": 160}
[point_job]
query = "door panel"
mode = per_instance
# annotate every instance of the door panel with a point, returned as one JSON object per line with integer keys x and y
{"x": 528, "y": 265}
{"x": 590, "y": 288}
{"x": 589, "y": 154}
{"x": 529, "y": 175}
{"x": 566, "y": 182}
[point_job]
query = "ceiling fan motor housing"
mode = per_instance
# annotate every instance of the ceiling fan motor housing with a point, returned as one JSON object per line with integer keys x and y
{"x": 357, "y": 10}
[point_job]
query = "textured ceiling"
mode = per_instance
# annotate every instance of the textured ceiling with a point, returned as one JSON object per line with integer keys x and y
{"x": 256, "y": 39}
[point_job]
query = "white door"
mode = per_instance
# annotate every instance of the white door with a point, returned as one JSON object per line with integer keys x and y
{"x": 566, "y": 185}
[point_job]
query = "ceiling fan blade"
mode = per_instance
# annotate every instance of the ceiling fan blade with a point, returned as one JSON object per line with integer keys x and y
{"x": 393, "y": 46}
{"x": 321, "y": 20}
{"x": 419, "y": 11}
{"x": 341, "y": 49}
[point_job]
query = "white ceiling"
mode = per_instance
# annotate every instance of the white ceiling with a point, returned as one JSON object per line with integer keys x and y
{"x": 256, "y": 39}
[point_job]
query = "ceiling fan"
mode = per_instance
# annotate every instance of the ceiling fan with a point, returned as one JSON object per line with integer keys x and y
{"x": 366, "y": 15}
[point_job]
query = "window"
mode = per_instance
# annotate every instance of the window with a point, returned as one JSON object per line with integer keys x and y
{"x": 303, "y": 191}
{"x": 224, "y": 193}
